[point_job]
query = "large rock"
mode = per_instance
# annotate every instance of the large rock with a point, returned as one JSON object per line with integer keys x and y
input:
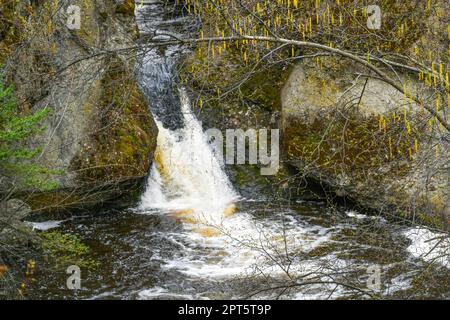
{"x": 100, "y": 133}
{"x": 366, "y": 141}
{"x": 13, "y": 231}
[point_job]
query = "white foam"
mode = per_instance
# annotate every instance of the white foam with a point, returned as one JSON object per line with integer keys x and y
{"x": 46, "y": 225}
{"x": 186, "y": 174}
{"x": 356, "y": 215}
{"x": 161, "y": 293}
{"x": 429, "y": 246}
{"x": 245, "y": 246}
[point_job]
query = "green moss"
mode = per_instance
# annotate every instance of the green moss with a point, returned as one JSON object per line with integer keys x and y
{"x": 53, "y": 201}
{"x": 260, "y": 87}
{"x": 66, "y": 250}
{"x": 10, "y": 27}
{"x": 127, "y": 7}
{"x": 89, "y": 31}
{"x": 125, "y": 143}
{"x": 436, "y": 220}
{"x": 265, "y": 86}
{"x": 350, "y": 143}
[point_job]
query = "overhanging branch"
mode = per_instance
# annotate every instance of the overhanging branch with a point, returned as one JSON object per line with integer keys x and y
{"x": 306, "y": 44}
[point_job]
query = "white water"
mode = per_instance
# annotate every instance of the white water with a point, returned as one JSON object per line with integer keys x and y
{"x": 429, "y": 246}
{"x": 188, "y": 184}
{"x": 186, "y": 175}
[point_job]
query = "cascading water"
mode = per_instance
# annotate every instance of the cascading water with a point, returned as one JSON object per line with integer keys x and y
{"x": 186, "y": 177}
{"x": 188, "y": 183}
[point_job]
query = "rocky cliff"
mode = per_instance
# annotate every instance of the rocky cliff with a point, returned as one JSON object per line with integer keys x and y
{"x": 100, "y": 135}
{"x": 365, "y": 140}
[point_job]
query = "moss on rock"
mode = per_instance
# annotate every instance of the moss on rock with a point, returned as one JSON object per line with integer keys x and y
{"x": 125, "y": 7}
{"x": 101, "y": 133}
{"x": 125, "y": 141}
{"x": 363, "y": 140}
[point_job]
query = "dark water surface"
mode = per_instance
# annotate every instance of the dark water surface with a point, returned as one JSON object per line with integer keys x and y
{"x": 136, "y": 252}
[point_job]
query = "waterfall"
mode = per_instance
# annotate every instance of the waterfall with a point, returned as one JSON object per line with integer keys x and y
{"x": 187, "y": 184}
{"x": 185, "y": 177}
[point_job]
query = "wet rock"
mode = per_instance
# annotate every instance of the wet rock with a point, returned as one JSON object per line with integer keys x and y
{"x": 365, "y": 140}
{"x": 13, "y": 231}
{"x": 14, "y": 208}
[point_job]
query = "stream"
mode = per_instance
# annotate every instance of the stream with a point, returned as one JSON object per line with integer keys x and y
{"x": 192, "y": 236}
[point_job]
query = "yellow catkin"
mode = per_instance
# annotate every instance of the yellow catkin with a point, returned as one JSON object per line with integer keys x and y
{"x": 408, "y": 127}
{"x": 390, "y": 148}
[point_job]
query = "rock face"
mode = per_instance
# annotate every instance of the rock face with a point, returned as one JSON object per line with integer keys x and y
{"x": 365, "y": 141}
{"x": 13, "y": 231}
{"x": 100, "y": 133}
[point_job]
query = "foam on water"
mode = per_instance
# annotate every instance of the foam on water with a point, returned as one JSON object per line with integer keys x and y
{"x": 188, "y": 183}
{"x": 161, "y": 293}
{"x": 45, "y": 225}
{"x": 429, "y": 246}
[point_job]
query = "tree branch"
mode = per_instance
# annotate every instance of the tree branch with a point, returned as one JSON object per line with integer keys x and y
{"x": 306, "y": 44}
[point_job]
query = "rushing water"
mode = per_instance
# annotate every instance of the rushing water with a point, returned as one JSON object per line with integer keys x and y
{"x": 193, "y": 237}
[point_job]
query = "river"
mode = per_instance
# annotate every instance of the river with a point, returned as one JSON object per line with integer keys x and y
{"x": 193, "y": 236}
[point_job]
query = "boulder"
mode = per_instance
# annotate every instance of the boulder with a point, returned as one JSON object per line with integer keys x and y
{"x": 365, "y": 140}
{"x": 13, "y": 231}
